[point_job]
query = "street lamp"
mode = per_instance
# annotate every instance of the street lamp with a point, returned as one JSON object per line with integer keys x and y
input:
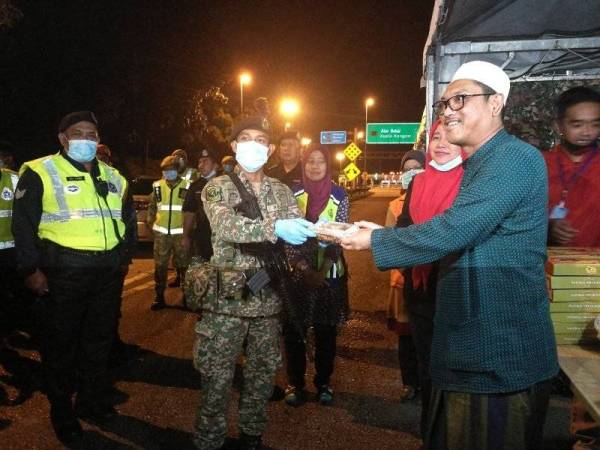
{"x": 360, "y": 135}
{"x": 340, "y": 157}
{"x": 288, "y": 125}
{"x": 305, "y": 141}
{"x": 289, "y": 107}
{"x": 368, "y": 102}
{"x": 245, "y": 78}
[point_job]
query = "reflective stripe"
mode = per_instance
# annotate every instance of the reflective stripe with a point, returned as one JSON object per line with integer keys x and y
{"x": 6, "y": 213}
{"x": 172, "y": 208}
{"x": 7, "y": 244}
{"x": 164, "y": 230}
{"x": 15, "y": 180}
{"x": 59, "y": 193}
{"x": 66, "y": 215}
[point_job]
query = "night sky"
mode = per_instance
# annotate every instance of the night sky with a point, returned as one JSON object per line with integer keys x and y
{"x": 130, "y": 60}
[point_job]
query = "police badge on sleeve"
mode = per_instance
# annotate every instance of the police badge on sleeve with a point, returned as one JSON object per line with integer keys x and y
{"x": 7, "y": 194}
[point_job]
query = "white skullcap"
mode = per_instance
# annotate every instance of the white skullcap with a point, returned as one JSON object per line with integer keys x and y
{"x": 487, "y": 73}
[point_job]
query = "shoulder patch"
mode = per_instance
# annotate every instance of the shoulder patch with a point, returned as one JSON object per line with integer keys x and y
{"x": 214, "y": 194}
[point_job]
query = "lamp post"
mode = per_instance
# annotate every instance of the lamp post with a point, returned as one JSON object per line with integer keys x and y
{"x": 245, "y": 78}
{"x": 368, "y": 102}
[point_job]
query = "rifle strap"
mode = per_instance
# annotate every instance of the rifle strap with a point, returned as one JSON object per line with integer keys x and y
{"x": 245, "y": 194}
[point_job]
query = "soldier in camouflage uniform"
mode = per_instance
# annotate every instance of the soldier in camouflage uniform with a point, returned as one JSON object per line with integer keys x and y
{"x": 234, "y": 314}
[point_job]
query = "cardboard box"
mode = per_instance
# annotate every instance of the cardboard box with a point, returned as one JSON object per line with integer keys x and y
{"x": 575, "y": 307}
{"x": 573, "y": 282}
{"x": 565, "y": 266}
{"x": 568, "y": 339}
{"x": 580, "y": 328}
{"x": 575, "y": 295}
{"x": 575, "y": 317}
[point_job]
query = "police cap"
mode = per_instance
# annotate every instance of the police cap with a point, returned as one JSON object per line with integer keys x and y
{"x": 206, "y": 153}
{"x": 169, "y": 162}
{"x": 75, "y": 117}
{"x": 259, "y": 123}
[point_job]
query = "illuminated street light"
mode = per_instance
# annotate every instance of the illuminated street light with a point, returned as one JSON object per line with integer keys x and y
{"x": 288, "y": 125}
{"x": 340, "y": 157}
{"x": 360, "y": 135}
{"x": 245, "y": 78}
{"x": 368, "y": 102}
{"x": 289, "y": 107}
{"x": 305, "y": 141}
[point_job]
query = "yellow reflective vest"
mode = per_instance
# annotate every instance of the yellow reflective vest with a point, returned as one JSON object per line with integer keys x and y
{"x": 169, "y": 203}
{"x": 8, "y": 184}
{"x": 74, "y": 215}
{"x": 329, "y": 213}
{"x": 190, "y": 175}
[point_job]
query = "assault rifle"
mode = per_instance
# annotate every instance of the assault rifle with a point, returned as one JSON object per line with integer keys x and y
{"x": 276, "y": 267}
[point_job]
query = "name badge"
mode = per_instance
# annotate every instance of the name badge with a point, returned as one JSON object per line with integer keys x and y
{"x": 559, "y": 211}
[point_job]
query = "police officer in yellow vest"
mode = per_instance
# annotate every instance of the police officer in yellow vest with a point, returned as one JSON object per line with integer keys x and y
{"x": 8, "y": 275}
{"x": 75, "y": 230}
{"x": 165, "y": 217}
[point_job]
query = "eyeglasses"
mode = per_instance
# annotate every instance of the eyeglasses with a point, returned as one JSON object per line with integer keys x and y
{"x": 455, "y": 103}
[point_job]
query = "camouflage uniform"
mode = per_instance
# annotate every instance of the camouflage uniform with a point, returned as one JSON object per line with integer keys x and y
{"x": 228, "y": 321}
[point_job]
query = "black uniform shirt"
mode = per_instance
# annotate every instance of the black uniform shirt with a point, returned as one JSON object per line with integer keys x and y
{"x": 27, "y": 213}
{"x": 193, "y": 204}
{"x": 291, "y": 178}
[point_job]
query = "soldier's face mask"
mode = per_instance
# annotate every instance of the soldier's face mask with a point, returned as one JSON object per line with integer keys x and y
{"x": 251, "y": 155}
{"x": 82, "y": 150}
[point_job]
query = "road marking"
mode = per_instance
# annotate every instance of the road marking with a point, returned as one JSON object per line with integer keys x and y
{"x": 139, "y": 288}
{"x": 133, "y": 279}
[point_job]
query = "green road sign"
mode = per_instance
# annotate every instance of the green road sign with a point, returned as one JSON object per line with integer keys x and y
{"x": 392, "y": 133}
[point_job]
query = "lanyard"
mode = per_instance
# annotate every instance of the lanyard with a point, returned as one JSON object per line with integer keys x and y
{"x": 567, "y": 184}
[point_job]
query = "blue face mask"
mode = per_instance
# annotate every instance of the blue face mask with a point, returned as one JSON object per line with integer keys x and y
{"x": 82, "y": 150}
{"x": 170, "y": 175}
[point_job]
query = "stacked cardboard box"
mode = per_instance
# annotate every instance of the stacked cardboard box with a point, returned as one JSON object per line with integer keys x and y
{"x": 574, "y": 285}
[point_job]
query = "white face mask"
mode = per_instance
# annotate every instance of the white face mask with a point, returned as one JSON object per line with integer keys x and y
{"x": 251, "y": 155}
{"x": 448, "y": 166}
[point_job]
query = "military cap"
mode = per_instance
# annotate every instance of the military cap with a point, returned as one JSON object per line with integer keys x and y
{"x": 206, "y": 153}
{"x": 259, "y": 123}
{"x": 75, "y": 117}
{"x": 169, "y": 161}
{"x": 228, "y": 160}
{"x": 180, "y": 152}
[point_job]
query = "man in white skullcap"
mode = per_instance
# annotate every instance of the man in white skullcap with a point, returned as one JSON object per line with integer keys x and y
{"x": 493, "y": 348}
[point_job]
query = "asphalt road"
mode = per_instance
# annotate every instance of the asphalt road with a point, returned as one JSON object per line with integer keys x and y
{"x": 157, "y": 394}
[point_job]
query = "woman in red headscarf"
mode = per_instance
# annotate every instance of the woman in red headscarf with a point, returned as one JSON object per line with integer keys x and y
{"x": 322, "y": 300}
{"x": 429, "y": 194}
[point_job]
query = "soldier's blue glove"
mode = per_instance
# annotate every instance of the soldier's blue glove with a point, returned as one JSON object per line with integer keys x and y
{"x": 294, "y": 231}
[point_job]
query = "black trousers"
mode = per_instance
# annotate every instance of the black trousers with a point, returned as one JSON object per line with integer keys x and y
{"x": 77, "y": 320}
{"x": 422, "y": 335}
{"x": 407, "y": 357}
{"x": 295, "y": 349}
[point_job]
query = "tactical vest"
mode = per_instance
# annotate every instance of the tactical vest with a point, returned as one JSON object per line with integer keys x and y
{"x": 8, "y": 184}
{"x": 329, "y": 213}
{"x": 74, "y": 215}
{"x": 169, "y": 203}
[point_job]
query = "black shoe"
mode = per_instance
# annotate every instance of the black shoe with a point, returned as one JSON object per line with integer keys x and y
{"x": 295, "y": 396}
{"x": 4, "y": 423}
{"x": 159, "y": 302}
{"x": 66, "y": 426}
{"x": 278, "y": 394}
{"x": 95, "y": 412}
{"x": 176, "y": 282}
{"x": 249, "y": 442}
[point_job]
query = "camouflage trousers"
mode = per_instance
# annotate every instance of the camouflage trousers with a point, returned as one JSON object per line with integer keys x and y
{"x": 166, "y": 245}
{"x": 219, "y": 342}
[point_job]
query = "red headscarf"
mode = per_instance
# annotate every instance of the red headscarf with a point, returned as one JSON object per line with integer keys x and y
{"x": 318, "y": 191}
{"x": 433, "y": 192}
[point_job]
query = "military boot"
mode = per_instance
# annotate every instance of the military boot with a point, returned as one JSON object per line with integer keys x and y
{"x": 249, "y": 442}
{"x": 66, "y": 426}
{"x": 159, "y": 301}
